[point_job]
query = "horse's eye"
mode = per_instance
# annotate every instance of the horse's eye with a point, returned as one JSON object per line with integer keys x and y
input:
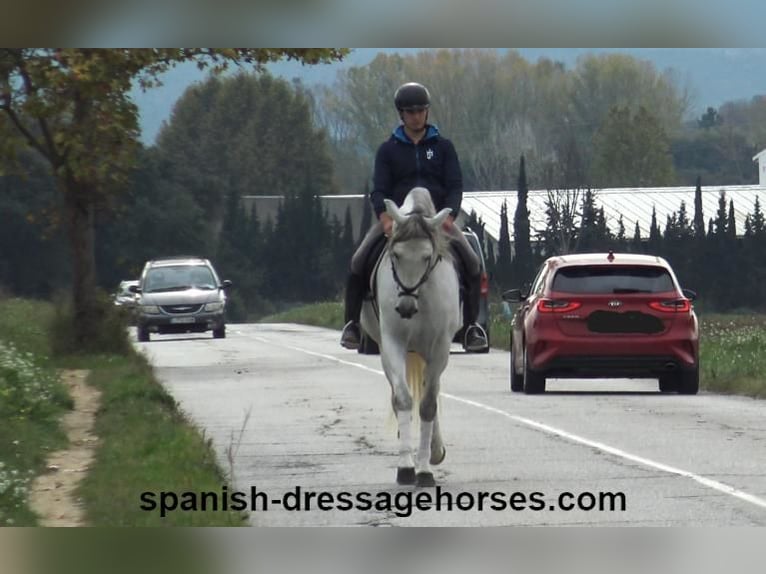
{"x": 426, "y": 258}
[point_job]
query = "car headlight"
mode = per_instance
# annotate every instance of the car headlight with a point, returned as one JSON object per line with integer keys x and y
{"x": 216, "y": 306}
{"x": 150, "y": 309}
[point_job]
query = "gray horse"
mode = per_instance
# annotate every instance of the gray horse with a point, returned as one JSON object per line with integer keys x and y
{"x": 417, "y": 293}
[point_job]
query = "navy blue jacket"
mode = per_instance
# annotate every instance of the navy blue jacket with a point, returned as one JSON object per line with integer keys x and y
{"x": 401, "y": 165}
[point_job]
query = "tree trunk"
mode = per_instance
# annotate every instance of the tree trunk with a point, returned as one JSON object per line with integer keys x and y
{"x": 79, "y": 217}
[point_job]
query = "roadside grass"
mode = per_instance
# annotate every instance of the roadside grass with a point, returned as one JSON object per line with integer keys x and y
{"x": 327, "y": 314}
{"x": 147, "y": 445}
{"x": 732, "y": 357}
{"x": 145, "y": 442}
{"x": 32, "y": 399}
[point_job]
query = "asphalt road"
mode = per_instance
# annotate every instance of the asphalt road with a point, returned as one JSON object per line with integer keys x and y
{"x": 288, "y": 409}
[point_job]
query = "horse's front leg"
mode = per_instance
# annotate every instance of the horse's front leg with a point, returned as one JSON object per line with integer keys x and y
{"x": 394, "y": 366}
{"x": 430, "y": 435}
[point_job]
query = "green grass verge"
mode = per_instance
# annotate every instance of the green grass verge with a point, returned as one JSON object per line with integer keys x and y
{"x": 146, "y": 445}
{"x": 731, "y": 346}
{"x": 32, "y": 399}
{"x": 328, "y": 314}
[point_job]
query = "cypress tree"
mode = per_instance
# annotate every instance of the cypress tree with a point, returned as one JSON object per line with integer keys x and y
{"x": 636, "y": 245}
{"x": 522, "y": 262}
{"x": 699, "y": 218}
{"x": 654, "y": 234}
{"x": 503, "y": 267}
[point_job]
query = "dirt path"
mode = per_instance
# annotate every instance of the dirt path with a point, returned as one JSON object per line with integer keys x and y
{"x": 52, "y": 495}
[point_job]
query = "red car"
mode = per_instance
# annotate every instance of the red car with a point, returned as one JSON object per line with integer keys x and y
{"x": 601, "y": 315}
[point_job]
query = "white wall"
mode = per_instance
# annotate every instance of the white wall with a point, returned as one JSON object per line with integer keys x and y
{"x": 761, "y": 158}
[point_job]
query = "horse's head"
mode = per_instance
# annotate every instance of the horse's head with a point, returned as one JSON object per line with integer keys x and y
{"x": 416, "y": 246}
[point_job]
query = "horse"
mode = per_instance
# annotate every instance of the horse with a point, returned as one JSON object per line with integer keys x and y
{"x": 416, "y": 288}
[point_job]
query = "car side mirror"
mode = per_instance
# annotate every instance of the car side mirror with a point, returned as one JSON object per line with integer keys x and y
{"x": 689, "y": 294}
{"x": 225, "y": 284}
{"x": 134, "y": 289}
{"x": 513, "y": 296}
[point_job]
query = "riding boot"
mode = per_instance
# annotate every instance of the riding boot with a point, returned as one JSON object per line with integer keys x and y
{"x": 475, "y": 336}
{"x": 351, "y": 336}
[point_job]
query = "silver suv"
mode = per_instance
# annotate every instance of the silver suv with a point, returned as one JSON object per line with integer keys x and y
{"x": 180, "y": 295}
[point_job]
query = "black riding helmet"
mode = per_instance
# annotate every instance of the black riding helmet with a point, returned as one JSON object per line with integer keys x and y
{"x": 412, "y": 96}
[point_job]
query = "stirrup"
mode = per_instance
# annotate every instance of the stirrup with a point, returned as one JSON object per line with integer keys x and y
{"x": 350, "y": 338}
{"x": 480, "y": 338}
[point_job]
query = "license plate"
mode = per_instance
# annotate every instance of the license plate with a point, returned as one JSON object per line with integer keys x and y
{"x": 182, "y": 320}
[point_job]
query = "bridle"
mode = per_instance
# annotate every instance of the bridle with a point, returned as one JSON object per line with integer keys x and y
{"x": 405, "y": 291}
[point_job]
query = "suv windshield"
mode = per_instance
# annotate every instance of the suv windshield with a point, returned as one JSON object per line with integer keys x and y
{"x": 599, "y": 279}
{"x": 178, "y": 278}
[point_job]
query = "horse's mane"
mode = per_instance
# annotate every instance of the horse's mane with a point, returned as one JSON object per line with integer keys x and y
{"x": 415, "y": 227}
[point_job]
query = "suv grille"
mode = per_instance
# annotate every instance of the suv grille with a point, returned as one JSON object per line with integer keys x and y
{"x": 180, "y": 309}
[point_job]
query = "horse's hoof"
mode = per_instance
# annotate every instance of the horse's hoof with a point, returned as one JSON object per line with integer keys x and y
{"x": 437, "y": 460}
{"x": 405, "y": 475}
{"x": 425, "y": 479}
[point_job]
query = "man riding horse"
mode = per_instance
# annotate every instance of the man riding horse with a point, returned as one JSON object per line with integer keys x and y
{"x": 415, "y": 155}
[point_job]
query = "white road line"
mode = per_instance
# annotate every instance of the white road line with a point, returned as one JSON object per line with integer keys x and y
{"x": 714, "y": 484}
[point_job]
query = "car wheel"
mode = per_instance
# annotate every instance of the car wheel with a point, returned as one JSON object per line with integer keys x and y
{"x": 689, "y": 381}
{"x": 534, "y": 382}
{"x": 220, "y": 333}
{"x": 143, "y": 335}
{"x": 368, "y": 346}
{"x": 517, "y": 380}
{"x": 668, "y": 384}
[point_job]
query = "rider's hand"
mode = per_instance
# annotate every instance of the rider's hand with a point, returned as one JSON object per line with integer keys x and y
{"x": 387, "y": 222}
{"x": 449, "y": 223}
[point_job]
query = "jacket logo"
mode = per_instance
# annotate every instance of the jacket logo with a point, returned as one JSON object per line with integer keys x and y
{"x": 429, "y": 153}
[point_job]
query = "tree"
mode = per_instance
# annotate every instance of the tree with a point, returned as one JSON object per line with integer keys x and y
{"x": 709, "y": 119}
{"x": 654, "y": 234}
{"x": 588, "y": 233}
{"x": 699, "y": 216}
{"x": 560, "y": 235}
{"x": 632, "y": 150}
{"x": 522, "y": 261}
{"x": 72, "y": 106}
{"x": 503, "y": 263}
{"x": 636, "y": 246}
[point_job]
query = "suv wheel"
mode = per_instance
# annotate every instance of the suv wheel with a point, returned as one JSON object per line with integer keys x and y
{"x": 220, "y": 333}
{"x": 534, "y": 382}
{"x": 517, "y": 380}
{"x": 143, "y": 335}
{"x": 689, "y": 381}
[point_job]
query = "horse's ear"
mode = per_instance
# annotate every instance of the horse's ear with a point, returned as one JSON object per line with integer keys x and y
{"x": 394, "y": 212}
{"x": 439, "y": 218}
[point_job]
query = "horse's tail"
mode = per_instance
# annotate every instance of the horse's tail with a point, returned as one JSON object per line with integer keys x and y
{"x": 416, "y": 381}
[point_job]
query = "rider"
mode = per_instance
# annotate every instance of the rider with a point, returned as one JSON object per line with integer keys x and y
{"x": 415, "y": 155}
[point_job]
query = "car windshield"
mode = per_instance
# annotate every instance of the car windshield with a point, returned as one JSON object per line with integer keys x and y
{"x": 179, "y": 278}
{"x": 601, "y": 279}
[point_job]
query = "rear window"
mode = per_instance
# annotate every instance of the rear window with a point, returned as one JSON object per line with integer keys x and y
{"x": 611, "y": 279}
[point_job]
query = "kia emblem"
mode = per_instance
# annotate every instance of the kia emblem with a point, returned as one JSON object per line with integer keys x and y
{"x": 614, "y": 303}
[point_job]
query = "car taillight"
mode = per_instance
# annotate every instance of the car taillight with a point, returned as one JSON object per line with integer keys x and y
{"x": 484, "y": 289}
{"x": 557, "y": 306}
{"x": 672, "y": 306}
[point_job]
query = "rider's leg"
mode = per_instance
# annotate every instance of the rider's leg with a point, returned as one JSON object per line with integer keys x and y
{"x": 356, "y": 287}
{"x": 475, "y": 336}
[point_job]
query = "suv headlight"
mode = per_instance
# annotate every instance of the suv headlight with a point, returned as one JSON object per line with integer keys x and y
{"x": 150, "y": 309}
{"x": 216, "y": 306}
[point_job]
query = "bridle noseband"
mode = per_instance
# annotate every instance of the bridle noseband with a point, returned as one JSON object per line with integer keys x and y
{"x": 410, "y": 291}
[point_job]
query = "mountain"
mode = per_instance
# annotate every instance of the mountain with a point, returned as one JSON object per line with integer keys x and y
{"x": 714, "y": 75}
